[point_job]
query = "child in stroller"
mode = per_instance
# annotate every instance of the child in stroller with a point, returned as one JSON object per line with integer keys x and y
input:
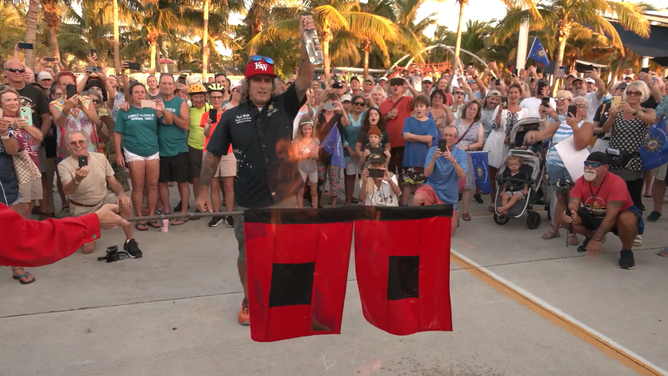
{"x": 515, "y": 184}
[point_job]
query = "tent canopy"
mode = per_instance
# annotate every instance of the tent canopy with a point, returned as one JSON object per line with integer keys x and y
{"x": 654, "y": 46}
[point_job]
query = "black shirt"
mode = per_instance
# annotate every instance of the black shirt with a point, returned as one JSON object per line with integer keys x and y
{"x": 601, "y": 115}
{"x": 261, "y": 140}
{"x": 35, "y": 99}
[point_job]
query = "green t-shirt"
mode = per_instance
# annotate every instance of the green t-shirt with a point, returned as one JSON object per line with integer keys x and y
{"x": 196, "y": 133}
{"x": 173, "y": 140}
{"x": 139, "y": 127}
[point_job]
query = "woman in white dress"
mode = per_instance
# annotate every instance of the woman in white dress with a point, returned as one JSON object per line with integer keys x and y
{"x": 503, "y": 119}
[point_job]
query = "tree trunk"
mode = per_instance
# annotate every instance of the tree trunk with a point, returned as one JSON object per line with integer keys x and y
{"x": 31, "y": 32}
{"x": 205, "y": 42}
{"x": 458, "y": 43}
{"x": 563, "y": 33}
{"x": 53, "y": 40}
{"x": 153, "y": 51}
{"x": 325, "y": 58}
{"x": 117, "y": 52}
{"x": 366, "y": 64}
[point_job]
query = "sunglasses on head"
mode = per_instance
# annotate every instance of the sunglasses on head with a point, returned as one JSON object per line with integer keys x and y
{"x": 268, "y": 60}
{"x": 16, "y": 70}
{"x": 593, "y": 164}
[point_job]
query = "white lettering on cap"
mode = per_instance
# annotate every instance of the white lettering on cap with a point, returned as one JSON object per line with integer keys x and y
{"x": 261, "y": 66}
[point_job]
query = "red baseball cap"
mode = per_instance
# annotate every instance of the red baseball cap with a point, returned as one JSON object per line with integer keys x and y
{"x": 259, "y": 65}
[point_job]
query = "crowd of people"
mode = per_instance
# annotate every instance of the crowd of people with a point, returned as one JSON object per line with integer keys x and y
{"x": 406, "y": 140}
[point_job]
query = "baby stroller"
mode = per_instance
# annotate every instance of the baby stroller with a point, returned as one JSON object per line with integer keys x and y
{"x": 531, "y": 167}
{"x": 520, "y": 130}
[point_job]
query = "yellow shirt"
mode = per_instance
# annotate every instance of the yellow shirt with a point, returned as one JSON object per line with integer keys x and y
{"x": 196, "y": 133}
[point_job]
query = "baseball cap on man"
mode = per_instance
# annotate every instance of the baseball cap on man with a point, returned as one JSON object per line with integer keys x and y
{"x": 43, "y": 75}
{"x": 590, "y": 80}
{"x": 494, "y": 93}
{"x": 598, "y": 156}
{"x": 346, "y": 98}
{"x": 259, "y": 65}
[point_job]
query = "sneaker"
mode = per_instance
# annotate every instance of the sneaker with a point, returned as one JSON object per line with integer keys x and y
{"x": 229, "y": 221}
{"x": 638, "y": 241}
{"x": 583, "y": 247}
{"x": 477, "y": 198}
{"x": 196, "y": 218}
{"x": 215, "y": 221}
{"x": 626, "y": 259}
{"x": 653, "y": 216}
{"x": 132, "y": 248}
{"x": 178, "y": 207}
{"x": 244, "y": 317}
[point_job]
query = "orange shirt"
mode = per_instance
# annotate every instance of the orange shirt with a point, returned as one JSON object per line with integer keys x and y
{"x": 396, "y": 125}
{"x": 205, "y": 120}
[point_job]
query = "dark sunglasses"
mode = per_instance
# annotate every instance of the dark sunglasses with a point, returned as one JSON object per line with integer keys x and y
{"x": 368, "y": 83}
{"x": 97, "y": 101}
{"x": 16, "y": 70}
{"x": 260, "y": 58}
{"x": 427, "y": 83}
{"x": 633, "y": 93}
{"x": 593, "y": 164}
{"x": 459, "y": 93}
{"x": 359, "y": 103}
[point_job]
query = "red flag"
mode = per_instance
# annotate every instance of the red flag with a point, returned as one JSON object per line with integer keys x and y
{"x": 297, "y": 263}
{"x": 402, "y": 260}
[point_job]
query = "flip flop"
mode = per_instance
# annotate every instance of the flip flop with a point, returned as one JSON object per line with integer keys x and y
{"x": 466, "y": 217}
{"x": 663, "y": 252}
{"x": 154, "y": 224}
{"x": 24, "y": 275}
{"x": 178, "y": 221}
{"x": 141, "y": 227}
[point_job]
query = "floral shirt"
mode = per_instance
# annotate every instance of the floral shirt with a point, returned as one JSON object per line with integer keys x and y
{"x": 76, "y": 121}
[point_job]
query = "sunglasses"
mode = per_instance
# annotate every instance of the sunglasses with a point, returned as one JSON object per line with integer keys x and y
{"x": 368, "y": 83}
{"x": 75, "y": 143}
{"x": 459, "y": 93}
{"x": 16, "y": 70}
{"x": 97, "y": 101}
{"x": 268, "y": 60}
{"x": 593, "y": 164}
{"x": 633, "y": 93}
{"x": 427, "y": 83}
{"x": 359, "y": 103}
{"x": 561, "y": 99}
{"x": 471, "y": 82}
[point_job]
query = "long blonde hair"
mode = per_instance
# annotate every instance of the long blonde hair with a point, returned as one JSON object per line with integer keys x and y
{"x": 305, "y": 120}
{"x": 370, "y": 183}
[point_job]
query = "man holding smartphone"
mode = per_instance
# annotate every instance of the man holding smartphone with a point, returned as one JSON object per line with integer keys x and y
{"x": 534, "y": 103}
{"x": 87, "y": 179}
{"x": 594, "y": 99}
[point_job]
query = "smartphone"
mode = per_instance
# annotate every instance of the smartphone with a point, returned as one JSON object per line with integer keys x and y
{"x": 26, "y": 114}
{"x": 134, "y": 66}
{"x": 25, "y": 46}
{"x": 515, "y": 72}
{"x": 442, "y": 145}
{"x": 540, "y": 86}
{"x": 329, "y": 106}
{"x": 644, "y": 70}
{"x": 573, "y": 110}
{"x": 545, "y": 102}
{"x": 396, "y": 82}
{"x": 497, "y": 82}
{"x": 616, "y": 100}
{"x": 562, "y": 72}
{"x": 147, "y": 103}
{"x": 50, "y": 59}
{"x": 71, "y": 91}
{"x": 504, "y": 102}
{"x": 83, "y": 160}
{"x": 92, "y": 69}
{"x": 93, "y": 54}
{"x": 182, "y": 80}
{"x": 376, "y": 173}
{"x": 213, "y": 115}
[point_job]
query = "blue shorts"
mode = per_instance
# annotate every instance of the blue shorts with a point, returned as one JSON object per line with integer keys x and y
{"x": 592, "y": 223}
{"x": 556, "y": 173}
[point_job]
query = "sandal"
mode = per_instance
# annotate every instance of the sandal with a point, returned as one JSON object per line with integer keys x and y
{"x": 141, "y": 226}
{"x": 551, "y": 234}
{"x": 491, "y": 208}
{"x": 466, "y": 217}
{"x": 154, "y": 224}
{"x": 25, "y": 275}
{"x": 573, "y": 240}
{"x": 663, "y": 252}
{"x": 178, "y": 221}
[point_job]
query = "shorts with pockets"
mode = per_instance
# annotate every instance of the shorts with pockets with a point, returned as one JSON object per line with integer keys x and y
{"x": 31, "y": 191}
{"x": 176, "y": 168}
{"x": 78, "y": 211}
{"x": 196, "y": 157}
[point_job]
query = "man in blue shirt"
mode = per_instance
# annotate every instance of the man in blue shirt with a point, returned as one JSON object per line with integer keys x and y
{"x": 443, "y": 169}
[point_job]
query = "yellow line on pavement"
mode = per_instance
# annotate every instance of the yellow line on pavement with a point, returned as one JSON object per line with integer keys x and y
{"x": 559, "y": 318}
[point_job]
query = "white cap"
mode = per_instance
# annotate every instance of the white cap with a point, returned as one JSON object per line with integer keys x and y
{"x": 346, "y": 98}
{"x": 427, "y": 78}
{"x": 382, "y": 79}
{"x": 43, "y": 75}
{"x": 590, "y": 80}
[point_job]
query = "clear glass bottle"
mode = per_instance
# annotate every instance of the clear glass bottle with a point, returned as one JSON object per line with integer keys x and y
{"x": 313, "y": 46}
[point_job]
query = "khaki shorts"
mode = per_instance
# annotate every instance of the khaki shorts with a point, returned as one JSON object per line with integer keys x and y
{"x": 227, "y": 167}
{"x": 660, "y": 172}
{"x": 78, "y": 211}
{"x": 31, "y": 191}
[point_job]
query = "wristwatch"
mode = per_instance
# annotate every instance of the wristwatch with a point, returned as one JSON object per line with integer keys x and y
{"x": 635, "y": 112}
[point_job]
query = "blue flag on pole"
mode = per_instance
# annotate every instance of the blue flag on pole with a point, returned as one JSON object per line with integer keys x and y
{"x": 538, "y": 52}
{"x": 332, "y": 144}
{"x": 654, "y": 152}
{"x": 481, "y": 169}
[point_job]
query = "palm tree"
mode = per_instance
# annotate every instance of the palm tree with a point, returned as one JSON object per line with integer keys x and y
{"x": 52, "y": 13}
{"x": 223, "y": 8}
{"x": 330, "y": 16}
{"x": 567, "y": 17}
{"x": 412, "y": 38}
{"x": 31, "y": 31}
{"x": 13, "y": 28}
{"x": 531, "y": 11}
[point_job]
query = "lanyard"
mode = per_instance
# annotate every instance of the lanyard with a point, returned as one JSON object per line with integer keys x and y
{"x": 594, "y": 195}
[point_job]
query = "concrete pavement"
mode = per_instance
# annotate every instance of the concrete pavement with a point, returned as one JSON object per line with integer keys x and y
{"x": 173, "y": 312}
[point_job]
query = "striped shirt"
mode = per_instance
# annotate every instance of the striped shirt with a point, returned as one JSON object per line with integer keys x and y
{"x": 563, "y": 132}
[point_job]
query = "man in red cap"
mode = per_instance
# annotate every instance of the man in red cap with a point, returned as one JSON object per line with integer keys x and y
{"x": 260, "y": 129}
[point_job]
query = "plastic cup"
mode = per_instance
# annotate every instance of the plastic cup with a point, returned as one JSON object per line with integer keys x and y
{"x": 164, "y": 225}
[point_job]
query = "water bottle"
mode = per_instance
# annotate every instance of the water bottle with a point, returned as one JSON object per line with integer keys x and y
{"x": 313, "y": 46}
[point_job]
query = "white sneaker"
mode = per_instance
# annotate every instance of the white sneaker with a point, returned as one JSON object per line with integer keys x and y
{"x": 638, "y": 241}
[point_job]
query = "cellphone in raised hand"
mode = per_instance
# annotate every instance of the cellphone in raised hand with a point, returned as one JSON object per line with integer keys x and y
{"x": 71, "y": 91}
{"x": 504, "y": 102}
{"x": 573, "y": 110}
{"x": 329, "y": 106}
{"x": 50, "y": 59}
{"x": 26, "y": 114}
{"x": 147, "y": 103}
{"x": 545, "y": 102}
{"x": 134, "y": 66}
{"x": 83, "y": 160}
{"x": 182, "y": 79}
{"x": 25, "y": 46}
{"x": 213, "y": 115}
{"x": 442, "y": 145}
{"x": 376, "y": 173}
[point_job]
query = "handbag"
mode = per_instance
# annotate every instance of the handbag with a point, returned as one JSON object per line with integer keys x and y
{"x": 26, "y": 170}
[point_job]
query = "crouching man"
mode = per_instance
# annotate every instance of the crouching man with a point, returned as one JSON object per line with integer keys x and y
{"x": 85, "y": 176}
{"x": 600, "y": 203}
